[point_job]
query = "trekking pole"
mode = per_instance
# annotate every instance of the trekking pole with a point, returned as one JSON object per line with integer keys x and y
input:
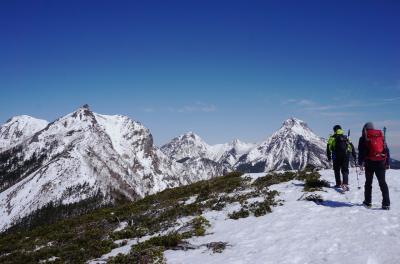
{"x": 384, "y": 144}
{"x": 355, "y": 164}
{"x": 384, "y": 134}
{"x": 358, "y": 181}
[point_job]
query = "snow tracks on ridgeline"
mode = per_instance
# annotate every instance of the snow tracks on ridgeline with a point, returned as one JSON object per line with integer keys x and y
{"x": 338, "y": 230}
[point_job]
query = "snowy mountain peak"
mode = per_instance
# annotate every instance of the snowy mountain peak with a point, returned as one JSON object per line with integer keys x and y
{"x": 85, "y": 106}
{"x": 20, "y": 118}
{"x": 295, "y": 127}
{"x": 236, "y": 142}
{"x": 19, "y": 128}
{"x": 292, "y": 122}
{"x": 83, "y": 153}
{"x": 191, "y": 136}
{"x": 80, "y": 155}
{"x": 293, "y": 146}
{"x": 82, "y": 112}
{"x": 239, "y": 146}
{"x": 188, "y": 145}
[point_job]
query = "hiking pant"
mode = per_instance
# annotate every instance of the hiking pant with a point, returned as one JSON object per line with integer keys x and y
{"x": 341, "y": 164}
{"x": 377, "y": 167}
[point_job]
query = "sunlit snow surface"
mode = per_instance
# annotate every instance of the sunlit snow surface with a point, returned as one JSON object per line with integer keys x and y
{"x": 190, "y": 145}
{"x": 19, "y": 128}
{"x": 340, "y": 231}
{"x": 293, "y": 146}
{"x": 85, "y": 153}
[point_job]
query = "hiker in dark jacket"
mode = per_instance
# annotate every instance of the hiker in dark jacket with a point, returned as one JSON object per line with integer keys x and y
{"x": 338, "y": 149}
{"x": 374, "y": 162}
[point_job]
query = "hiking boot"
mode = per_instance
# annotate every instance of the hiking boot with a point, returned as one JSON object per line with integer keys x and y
{"x": 385, "y": 207}
{"x": 345, "y": 187}
{"x": 368, "y": 205}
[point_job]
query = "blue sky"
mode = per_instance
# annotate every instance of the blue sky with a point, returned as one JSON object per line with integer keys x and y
{"x": 223, "y": 69}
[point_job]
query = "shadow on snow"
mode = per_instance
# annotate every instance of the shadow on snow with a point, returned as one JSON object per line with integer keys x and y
{"x": 336, "y": 204}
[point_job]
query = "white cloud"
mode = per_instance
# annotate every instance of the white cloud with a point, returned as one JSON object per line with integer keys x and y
{"x": 338, "y": 114}
{"x": 353, "y": 104}
{"x": 197, "y": 107}
{"x": 389, "y": 100}
{"x": 299, "y": 102}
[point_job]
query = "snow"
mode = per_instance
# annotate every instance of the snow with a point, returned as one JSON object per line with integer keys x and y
{"x": 102, "y": 151}
{"x": 340, "y": 231}
{"x": 124, "y": 250}
{"x": 85, "y": 153}
{"x": 191, "y": 200}
{"x": 193, "y": 146}
{"x": 19, "y": 128}
{"x": 121, "y": 226}
{"x": 186, "y": 145}
{"x": 52, "y": 259}
{"x": 128, "y": 243}
{"x": 293, "y": 146}
{"x": 120, "y": 130}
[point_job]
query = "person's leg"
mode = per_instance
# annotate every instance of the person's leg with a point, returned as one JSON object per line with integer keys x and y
{"x": 380, "y": 174}
{"x": 345, "y": 170}
{"x": 369, "y": 174}
{"x": 336, "y": 169}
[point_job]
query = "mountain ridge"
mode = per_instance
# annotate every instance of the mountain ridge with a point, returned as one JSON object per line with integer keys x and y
{"x": 83, "y": 153}
{"x": 19, "y": 128}
{"x": 73, "y": 158}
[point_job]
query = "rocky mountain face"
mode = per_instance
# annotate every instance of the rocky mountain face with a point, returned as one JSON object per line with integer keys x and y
{"x": 78, "y": 156}
{"x": 235, "y": 150}
{"x": 186, "y": 146}
{"x": 19, "y": 128}
{"x": 196, "y": 155}
{"x": 84, "y": 154}
{"x": 292, "y": 147}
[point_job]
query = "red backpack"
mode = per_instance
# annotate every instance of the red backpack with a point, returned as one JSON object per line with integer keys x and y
{"x": 376, "y": 145}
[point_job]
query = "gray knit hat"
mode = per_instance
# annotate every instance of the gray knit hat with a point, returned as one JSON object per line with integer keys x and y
{"x": 369, "y": 125}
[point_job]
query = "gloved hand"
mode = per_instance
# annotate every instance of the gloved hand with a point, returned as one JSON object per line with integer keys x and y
{"x": 387, "y": 166}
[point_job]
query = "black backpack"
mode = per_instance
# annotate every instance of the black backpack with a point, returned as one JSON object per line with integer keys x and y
{"x": 341, "y": 145}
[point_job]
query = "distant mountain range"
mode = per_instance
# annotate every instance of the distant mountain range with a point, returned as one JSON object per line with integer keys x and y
{"x": 84, "y": 154}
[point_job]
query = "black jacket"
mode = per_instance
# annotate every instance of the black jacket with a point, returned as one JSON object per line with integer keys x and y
{"x": 330, "y": 153}
{"x": 363, "y": 151}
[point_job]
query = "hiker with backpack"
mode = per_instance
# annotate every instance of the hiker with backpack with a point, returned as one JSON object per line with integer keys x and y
{"x": 338, "y": 149}
{"x": 373, "y": 154}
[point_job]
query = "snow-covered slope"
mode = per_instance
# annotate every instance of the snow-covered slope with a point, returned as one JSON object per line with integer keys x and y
{"x": 196, "y": 155}
{"x": 293, "y": 146}
{"x": 340, "y": 230}
{"x": 234, "y": 151}
{"x": 78, "y": 156}
{"x": 188, "y": 145}
{"x": 83, "y": 154}
{"x": 19, "y": 128}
